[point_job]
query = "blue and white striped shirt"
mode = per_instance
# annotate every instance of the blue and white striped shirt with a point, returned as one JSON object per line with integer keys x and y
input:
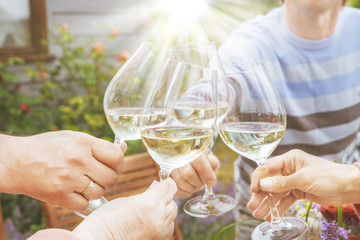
{"x": 319, "y": 81}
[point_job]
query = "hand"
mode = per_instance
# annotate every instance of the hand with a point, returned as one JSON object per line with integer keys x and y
{"x": 298, "y": 175}
{"x": 149, "y": 215}
{"x": 57, "y": 166}
{"x": 192, "y": 177}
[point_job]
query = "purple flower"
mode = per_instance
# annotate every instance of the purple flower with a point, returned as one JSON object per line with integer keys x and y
{"x": 9, "y": 226}
{"x": 331, "y": 231}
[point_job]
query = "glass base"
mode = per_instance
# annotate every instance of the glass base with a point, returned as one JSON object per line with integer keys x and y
{"x": 93, "y": 205}
{"x": 288, "y": 228}
{"x": 204, "y": 208}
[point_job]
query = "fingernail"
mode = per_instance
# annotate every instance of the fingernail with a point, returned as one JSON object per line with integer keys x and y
{"x": 266, "y": 184}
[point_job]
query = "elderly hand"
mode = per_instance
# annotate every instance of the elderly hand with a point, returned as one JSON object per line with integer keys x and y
{"x": 298, "y": 175}
{"x": 149, "y": 215}
{"x": 57, "y": 167}
{"x": 192, "y": 177}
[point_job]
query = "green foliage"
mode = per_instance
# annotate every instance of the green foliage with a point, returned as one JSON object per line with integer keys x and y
{"x": 65, "y": 94}
{"x": 354, "y": 3}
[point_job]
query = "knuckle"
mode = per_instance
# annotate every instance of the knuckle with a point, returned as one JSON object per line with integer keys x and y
{"x": 295, "y": 152}
{"x": 282, "y": 182}
{"x": 113, "y": 179}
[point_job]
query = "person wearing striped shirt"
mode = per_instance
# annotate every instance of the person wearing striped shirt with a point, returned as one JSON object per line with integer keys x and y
{"x": 311, "y": 52}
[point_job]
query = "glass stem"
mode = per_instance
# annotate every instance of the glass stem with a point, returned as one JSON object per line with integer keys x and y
{"x": 164, "y": 173}
{"x": 275, "y": 217}
{"x": 118, "y": 141}
{"x": 209, "y": 193}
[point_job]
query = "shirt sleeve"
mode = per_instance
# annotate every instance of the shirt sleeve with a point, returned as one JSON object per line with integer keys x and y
{"x": 54, "y": 234}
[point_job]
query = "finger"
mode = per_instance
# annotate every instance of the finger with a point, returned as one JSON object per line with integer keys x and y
{"x": 255, "y": 200}
{"x": 100, "y": 173}
{"x": 262, "y": 210}
{"x": 285, "y": 203}
{"x": 163, "y": 190}
{"x": 204, "y": 170}
{"x": 279, "y": 184}
{"x": 255, "y": 178}
{"x": 73, "y": 202}
{"x": 108, "y": 153}
{"x": 282, "y": 206}
{"x": 92, "y": 192}
{"x": 123, "y": 147}
{"x": 213, "y": 160}
{"x": 264, "y": 207}
{"x": 172, "y": 211}
{"x": 187, "y": 178}
{"x": 169, "y": 231}
{"x": 185, "y": 194}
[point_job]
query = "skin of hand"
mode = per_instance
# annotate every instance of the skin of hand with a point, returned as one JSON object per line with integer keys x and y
{"x": 149, "y": 215}
{"x": 57, "y": 166}
{"x": 192, "y": 177}
{"x": 298, "y": 175}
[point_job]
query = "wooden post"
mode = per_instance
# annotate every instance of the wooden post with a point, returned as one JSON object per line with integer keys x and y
{"x": 2, "y": 226}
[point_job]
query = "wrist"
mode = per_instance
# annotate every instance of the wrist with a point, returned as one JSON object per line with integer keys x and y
{"x": 352, "y": 184}
{"x": 10, "y": 150}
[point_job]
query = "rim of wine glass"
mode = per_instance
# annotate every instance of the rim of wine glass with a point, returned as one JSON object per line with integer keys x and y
{"x": 153, "y": 48}
{"x": 192, "y": 45}
{"x": 213, "y": 72}
{"x": 251, "y": 65}
{"x": 189, "y": 64}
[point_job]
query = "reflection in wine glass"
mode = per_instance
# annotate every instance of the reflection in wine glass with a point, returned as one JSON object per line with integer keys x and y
{"x": 254, "y": 127}
{"x": 185, "y": 94}
{"x": 125, "y": 96}
{"x": 205, "y": 54}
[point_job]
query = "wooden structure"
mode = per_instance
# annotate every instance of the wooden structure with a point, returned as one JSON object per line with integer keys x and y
{"x": 139, "y": 172}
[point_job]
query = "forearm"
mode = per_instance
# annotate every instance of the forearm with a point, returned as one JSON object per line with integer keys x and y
{"x": 11, "y": 149}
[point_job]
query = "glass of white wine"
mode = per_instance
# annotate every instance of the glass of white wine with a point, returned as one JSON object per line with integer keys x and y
{"x": 186, "y": 95}
{"x": 253, "y": 128}
{"x": 125, "y": 96}
{"x": 205, "y": 54}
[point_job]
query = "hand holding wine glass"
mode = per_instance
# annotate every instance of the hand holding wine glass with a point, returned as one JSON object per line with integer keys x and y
{"x": 253, "y": 128}
{"x": 205, "y": 54}
{"x": 125, "y": 96}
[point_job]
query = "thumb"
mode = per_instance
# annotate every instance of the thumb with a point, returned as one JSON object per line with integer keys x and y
{"x": 277, "y": 184}
{"x": 165, "y": 189}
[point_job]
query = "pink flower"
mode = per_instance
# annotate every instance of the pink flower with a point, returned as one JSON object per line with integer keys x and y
{"x": 64, "y": 27}
{"x": 99, "y": 48}
{"x": 123, "y": 56}
{"x": 43, "y": 76}
{"x": 115, "y": 32}
{"x": 24, "y": 108}
{"x": 53, "y": 128}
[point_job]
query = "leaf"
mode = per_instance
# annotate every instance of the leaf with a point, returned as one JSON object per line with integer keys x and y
{"x": 234, "y": 224}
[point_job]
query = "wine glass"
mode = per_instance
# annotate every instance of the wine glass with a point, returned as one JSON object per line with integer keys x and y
{"x": 253, "y": 127}
{"x": 205, "y": 54}
{"x": 125, "y": 96}
{"x": 185, "y": 94}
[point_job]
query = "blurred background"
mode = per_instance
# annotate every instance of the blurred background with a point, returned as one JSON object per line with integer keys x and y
{"x": 57, "y": 57}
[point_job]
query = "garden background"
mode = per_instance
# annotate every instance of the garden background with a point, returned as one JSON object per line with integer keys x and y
{"x": 89, "y": 40}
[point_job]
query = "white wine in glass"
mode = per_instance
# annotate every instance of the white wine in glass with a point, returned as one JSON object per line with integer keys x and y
{"x": 125, "y": 96}
{"x": 253, "y": 127}
{"x": 189, "y": 126}
{"x": 205, "y": 54}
